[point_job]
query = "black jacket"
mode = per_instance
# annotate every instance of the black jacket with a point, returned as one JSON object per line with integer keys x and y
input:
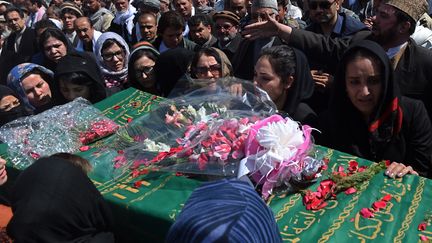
{"x": 9, "y": 58}
{"x": 413, "y": 72}
{"x": 399, "y": 129}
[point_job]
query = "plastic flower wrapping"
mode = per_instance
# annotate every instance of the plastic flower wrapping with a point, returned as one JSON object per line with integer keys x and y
{"x": 62, "y": 128}
{"x": 210, "y": 130}
{"x": 201, "y": 132}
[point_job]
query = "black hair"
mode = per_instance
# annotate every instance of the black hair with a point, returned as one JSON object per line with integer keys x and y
{"x": 282, "y": 3}
{"x": 109, "y": 42}
{"x": 14, "y": 9}
{"x": 170, "y": 19}
{"x": 404, "y": 17}
{"x": 43, "y": 75}
{"x": 147, "y": 13}
{"x": 200, "y": 18}
{"x": 88, "y": 20}
{"x": 55, "y": 10}
{"x": 39, "y": 3}
{"x": 55, "y": 33}
{"x": 211, "y": 52}
{"x": 282, "y": 59}
{"x": 76, "y": 160}
{"x": 44, "y": 24}
{"x": 81, "y": 78}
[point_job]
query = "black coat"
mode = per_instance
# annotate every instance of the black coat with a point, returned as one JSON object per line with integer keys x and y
{"x": 413, "y": 72}
{"x": 9, "y": 58}
{"x": 247, "y": 54}
{"x": 54, "y": 201}
{"x": 399, "y": 129}
{"x": 413, "y": 146}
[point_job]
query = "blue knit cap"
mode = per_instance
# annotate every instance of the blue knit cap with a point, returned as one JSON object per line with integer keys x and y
{"x": 225, "y": 211}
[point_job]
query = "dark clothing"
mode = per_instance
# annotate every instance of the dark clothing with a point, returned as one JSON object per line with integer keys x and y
{"x": 14, "y": 113}
{"x": 247, "y": 55}
{"x": 413, "y": 72}
{"x": 398, "y": 130}
{"x": 83, "y": 63}
{"x": 305, "y": 115}
{"x": 170, "y": 67}
{"x": 9, "y": 58}
{"x": 185, "y": 43}
{"x": 413, "y": 146}
{"x": 349, "y": 27}
{"x": 301, "y": 89}
{"x": 230, "y": 49}
{"x": 54, "y": 201}
{"x": 212, "y": 42}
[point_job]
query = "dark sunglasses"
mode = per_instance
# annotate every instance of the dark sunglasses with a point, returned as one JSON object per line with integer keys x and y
{"x": 144, "y": 70}
{"x": 322, "y": 4}
{"x": 203, "y": 70}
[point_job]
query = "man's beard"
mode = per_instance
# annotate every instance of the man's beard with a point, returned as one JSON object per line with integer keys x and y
{"x": 385, "y": 37}
{"x": 228, "y": 38}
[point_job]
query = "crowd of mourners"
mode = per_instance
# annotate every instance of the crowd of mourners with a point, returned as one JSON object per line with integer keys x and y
{"x": 360, "y": 71}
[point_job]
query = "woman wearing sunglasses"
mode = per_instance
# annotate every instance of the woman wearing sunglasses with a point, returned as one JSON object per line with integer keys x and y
{"x": 141, "y": 73}
{"x": 207, "y": 66}
{"x": 112, "y": 55}
{"x": 210, "y": 63}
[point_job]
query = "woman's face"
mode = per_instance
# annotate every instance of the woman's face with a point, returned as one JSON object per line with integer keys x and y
{"x": 266, "y": 79}
{"x": 37, "y": 90}
{"x": 71, "y": 91}
{"x": 363, "y": 84}
{"x": 114, "y": 57}
{"x": 54, "y": 49}
{"x": 143, "y": 67}
{"x": 9, "y": 102}
{"x": 208, "y": 68}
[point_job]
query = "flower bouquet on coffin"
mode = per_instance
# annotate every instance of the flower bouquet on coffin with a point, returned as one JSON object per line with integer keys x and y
{"x": 212, "y": 147}
{"x": 279, "y": 152}
{"x": 205, "y": 131}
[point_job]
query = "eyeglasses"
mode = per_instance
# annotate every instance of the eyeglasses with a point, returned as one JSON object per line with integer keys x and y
{"x": 214, "y": 69}
{"x": 322, "y": 4}
{"x": 144, "y": 70}
{"x": 110, "y": 56}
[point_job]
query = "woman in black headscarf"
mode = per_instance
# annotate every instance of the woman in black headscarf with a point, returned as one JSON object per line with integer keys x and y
{"x": 283, "y": 72}
{"x": 11, "y": 107}
{"x": 170, "y": 67}
{"x": 78, "y": 75}
{"x": 53, "y": 200}
{"x": 369, "y": 118}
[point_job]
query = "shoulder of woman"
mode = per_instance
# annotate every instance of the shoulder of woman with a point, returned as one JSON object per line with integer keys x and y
{"x": 415, "y": 115}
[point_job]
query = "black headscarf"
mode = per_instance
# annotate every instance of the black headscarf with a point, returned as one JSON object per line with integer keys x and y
{"x": 80, "y": 62}
{"x": 170, "y": 67}
{"x": 303, "y": 85}
{"x": 54, "y": 201}
{"x": 17, "y": 112}
{"x": 384, "y": 124}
